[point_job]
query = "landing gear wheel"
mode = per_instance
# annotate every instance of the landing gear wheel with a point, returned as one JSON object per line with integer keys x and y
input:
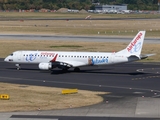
{"x": 76, "y": 69}
{"x": 51, "y": 71}
{"x": 18, "y": 66}
{"x": 65, "y": 69}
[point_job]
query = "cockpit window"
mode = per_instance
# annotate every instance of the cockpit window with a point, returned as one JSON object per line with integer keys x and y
{"x": 11, "y": 54}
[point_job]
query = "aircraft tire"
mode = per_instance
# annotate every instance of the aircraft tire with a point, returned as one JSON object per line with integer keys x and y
{"x": 77, "y": 69}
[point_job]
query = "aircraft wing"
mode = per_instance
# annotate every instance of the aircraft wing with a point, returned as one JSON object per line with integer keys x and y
{"x": 62, "y": 64}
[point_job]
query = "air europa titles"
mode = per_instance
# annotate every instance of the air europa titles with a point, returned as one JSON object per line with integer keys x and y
{"x": 134, "y": 42}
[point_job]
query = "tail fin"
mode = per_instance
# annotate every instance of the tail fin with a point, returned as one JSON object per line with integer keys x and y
{"x": 135, "y": 46}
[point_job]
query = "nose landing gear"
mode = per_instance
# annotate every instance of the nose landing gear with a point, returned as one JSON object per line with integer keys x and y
{"x": 18, "y": 66}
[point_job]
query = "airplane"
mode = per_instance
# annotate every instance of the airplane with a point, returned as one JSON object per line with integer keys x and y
{"x": 48, "y": 60}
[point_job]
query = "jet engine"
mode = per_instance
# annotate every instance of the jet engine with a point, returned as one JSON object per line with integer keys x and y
{"x": 51, "y": 65}
{"x": 45, "y": 66}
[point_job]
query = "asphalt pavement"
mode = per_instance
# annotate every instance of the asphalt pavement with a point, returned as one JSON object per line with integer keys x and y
{"x": 134, "y": 93}
{"x": 73, "y": 38}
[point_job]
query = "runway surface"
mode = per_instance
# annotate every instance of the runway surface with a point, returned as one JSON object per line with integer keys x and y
{"x": 119, "y": 79}
{"x": 73, "y": 38}
{"x": 128, "y": 83}
{"x": 132, "y": 92}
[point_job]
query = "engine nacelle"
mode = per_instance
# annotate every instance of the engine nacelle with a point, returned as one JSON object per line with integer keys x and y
{"x": 45, "y": 66}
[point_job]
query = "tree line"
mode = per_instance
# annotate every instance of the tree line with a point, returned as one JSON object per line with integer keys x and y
{"x": 75, "y": 4}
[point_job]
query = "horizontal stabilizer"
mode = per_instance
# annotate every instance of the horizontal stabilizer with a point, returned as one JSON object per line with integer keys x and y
{"x": 146, "y": 55}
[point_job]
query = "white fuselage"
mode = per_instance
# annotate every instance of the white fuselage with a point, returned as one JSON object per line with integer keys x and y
{"x": 74, "y": 58}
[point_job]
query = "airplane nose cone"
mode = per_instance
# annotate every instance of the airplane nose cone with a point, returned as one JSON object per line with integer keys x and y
{"x": 8, "y": 59}
{"x": 5, "y": 59}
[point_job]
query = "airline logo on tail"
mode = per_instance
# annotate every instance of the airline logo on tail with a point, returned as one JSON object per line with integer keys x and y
{"x": 134, "y": 45}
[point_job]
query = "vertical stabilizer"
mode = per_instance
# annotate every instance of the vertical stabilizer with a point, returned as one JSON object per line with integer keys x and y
{"x": 135, "y": 46}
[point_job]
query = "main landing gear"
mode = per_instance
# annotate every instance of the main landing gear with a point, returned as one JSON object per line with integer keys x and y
{"x": 65, "y": 69}
{"x": 18, "y": 66}
{"x": 76, "y": 69}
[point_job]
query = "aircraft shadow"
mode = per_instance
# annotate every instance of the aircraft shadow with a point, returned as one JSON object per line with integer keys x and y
{"x": 97, "y": 71}
{"x": 112, "y": 72}
{"x": 72, "y": 71}
{"x": 24, "y": 69}
{"x": 91, "y": 71}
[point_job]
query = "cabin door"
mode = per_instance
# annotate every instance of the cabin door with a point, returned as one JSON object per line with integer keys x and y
{"x": 19, "y": 55}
